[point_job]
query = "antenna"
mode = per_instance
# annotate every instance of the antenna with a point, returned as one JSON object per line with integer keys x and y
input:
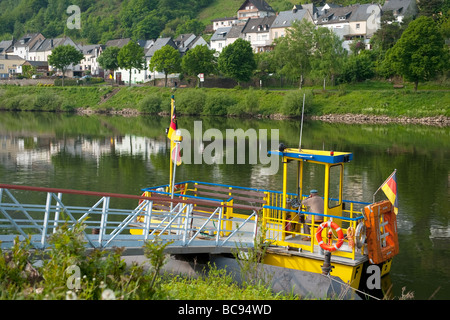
{"x": 301, "y": 126}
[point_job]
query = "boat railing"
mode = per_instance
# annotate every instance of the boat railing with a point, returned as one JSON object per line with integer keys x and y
{"x": 40, "y": 214}
{"x": 281, "y": 230}
{"x": 286, "y": 229}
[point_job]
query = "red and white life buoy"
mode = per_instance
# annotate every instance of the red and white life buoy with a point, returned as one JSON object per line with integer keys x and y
{"x": 322, "y": 244}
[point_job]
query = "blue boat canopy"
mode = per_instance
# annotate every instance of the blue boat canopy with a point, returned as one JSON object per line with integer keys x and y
{"x": 314, "y": 155}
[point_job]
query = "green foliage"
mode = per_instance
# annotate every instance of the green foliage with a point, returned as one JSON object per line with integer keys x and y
{"x": 199, "y": 60}
{"x": 64, "y": 56}
{"x": 293, "y": 103}
{"x": 293, "y": 52}
{"x": 68, "y": 271}
{"x": 420, "y": 53}
{"x": 190, "y": 101}
{"x": 237, "y": 61}
{"x": 151, "y": 104}
{"x": 131, "y": 56}
{"x": 166, "y": 60}
{"x": 358, "y": 67}
{"x": 108, "y": 60}
{"x": 218, "y": 103}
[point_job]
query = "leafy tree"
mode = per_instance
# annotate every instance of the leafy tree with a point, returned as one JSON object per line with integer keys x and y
{"x": 294, "y": 51}
{"x": 358, "y": 67}
{"x": 131, "y": 56}
{"x": 328, "y": 54}
{"x": 166, "y": 60}
{"x": 63, "y": 56}
{"x": 108, "y": 60}
{"x": 190, "y": 26}
{"x": 237, "y": 61}
{"x": 200, "y": 59}
{"x": 420, "y": 53}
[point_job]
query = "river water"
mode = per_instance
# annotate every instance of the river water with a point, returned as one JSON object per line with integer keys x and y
{"x": 124, "y": 154}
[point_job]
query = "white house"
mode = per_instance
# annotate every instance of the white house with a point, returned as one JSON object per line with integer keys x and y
{"x": 224, "y": 22}
{"x": 218, "y": 40}
{"x": 351, "y": 22}
{"x": 89, "y": 63}
{"x": 285, "y": 19}
{"x": 23, "y": 45}
{"x": 257, "y": 32}
{"x": 145, "y": 75}
{"x": 254, "y": 9}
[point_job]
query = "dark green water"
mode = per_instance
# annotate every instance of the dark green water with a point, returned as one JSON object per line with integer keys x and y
{"x": 123, "y": 155}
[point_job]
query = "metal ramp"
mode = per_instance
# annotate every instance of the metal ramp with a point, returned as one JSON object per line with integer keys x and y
{"x": 36, "y": 213}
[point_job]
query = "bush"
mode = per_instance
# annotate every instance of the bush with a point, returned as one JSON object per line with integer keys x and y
{"x": 191, "y": 101}
{"x": 151, "y": 104}
{"x": 48, "y": 101}
{"x": 217, "y": 104}
{"x": 293, "y": 103}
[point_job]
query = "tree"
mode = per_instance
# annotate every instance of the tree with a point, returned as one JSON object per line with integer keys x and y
{"x": 108, "y": 60}
{"x": 200, "y": 59}
{"x": 295, "y": 49}
{"x": 237, "y": 61}
{"x": 63, "y": 56}
{"x": 420, "y": 53}
{"x": 166, "y": 60}
{"x": 131, "y": 56}
{"x": 328, "y": 54}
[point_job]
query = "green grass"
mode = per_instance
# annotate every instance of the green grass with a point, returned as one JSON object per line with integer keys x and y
{"x": 370, "y": 97}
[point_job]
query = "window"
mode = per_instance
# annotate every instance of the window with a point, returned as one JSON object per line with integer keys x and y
{"x": 358, "y": 26}
{"x": 334, "y": 186}
{"x": 2, "y": 66}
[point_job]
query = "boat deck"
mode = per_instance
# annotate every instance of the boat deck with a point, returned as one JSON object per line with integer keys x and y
{"x": 318, "y": 253}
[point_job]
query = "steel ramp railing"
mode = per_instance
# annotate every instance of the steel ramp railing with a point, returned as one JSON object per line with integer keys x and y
{"x": 113, "y": 227}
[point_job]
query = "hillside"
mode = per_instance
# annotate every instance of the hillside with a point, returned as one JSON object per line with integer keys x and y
{"x": 103, "y": 20}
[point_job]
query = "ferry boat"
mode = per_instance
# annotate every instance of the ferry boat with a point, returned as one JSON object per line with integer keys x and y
{"x": 345, "y": 238}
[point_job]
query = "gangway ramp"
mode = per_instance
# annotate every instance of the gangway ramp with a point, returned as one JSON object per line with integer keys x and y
{"x": 36, "y": 213}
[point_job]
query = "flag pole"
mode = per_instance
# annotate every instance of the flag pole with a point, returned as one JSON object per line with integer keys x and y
{"x": 395, "y": 170}
{"x": 172, "y": 101}
{"x": 174, "y": 168}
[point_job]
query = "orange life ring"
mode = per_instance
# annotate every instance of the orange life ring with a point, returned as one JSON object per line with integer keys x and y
{"x": 322, "y": 244}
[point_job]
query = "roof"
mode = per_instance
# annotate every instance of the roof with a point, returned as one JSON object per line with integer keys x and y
{"x": 258, "y": 25}
{"x": 336, "y": 15}
{"x": 89, "y": 48}
{"x": 23, "y": 42}
{"x": 159, "y": 43}
{"x": 50, "y": 44}
{"x": 286, "y": 18}
{"x": 37, "y": 63}
{"x": 220, "y": 34}
{"x": 10, "y": 57}
{"x": 117, "y": 42}
{"x": 6, "y": 46}
{"x": 261, "y": 5}
{"x": 363, "y": 12}
{"x": 396, "y": 5}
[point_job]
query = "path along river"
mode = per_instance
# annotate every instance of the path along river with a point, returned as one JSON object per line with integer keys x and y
{"x": 124, "y": 154}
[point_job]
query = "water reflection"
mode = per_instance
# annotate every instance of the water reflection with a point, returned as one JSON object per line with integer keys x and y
{"x": 123, "y": 155}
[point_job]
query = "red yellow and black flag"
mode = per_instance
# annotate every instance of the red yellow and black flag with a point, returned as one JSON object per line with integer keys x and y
{"x": 389, "y": 188}
{"x": 173, "y": 120}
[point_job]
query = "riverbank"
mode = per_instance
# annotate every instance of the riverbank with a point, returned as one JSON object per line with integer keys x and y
{"x": 357, "y": 104}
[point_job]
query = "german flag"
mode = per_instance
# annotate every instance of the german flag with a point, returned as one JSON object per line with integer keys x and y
{"x": 389, "y": 188}
{"x": 173, "y": 120}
